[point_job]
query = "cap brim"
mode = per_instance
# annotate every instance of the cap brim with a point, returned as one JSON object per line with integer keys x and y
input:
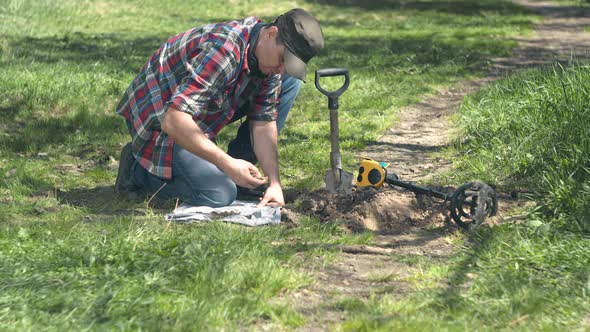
{"x": 294, "y": 66}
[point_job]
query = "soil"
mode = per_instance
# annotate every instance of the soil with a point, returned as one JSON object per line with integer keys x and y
{"x": 406, "y": 224}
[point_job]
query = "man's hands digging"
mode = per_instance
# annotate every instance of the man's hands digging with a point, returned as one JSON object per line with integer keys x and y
{"x": 273, "y": 196}
{"x": 245, "y": 174}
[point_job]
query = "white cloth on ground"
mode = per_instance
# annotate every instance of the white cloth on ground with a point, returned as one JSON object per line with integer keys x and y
{"x": 239, "y": 212}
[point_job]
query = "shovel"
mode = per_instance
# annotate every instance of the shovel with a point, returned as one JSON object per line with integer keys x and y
{"x": 337, "y": 180}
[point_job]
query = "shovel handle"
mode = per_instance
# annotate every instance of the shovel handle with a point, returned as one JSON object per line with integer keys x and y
{"x": 332, "y": 95}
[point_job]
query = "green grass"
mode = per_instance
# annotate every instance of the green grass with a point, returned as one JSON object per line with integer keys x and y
{"x": 530, "y": 131}
{"x": 546, "y": 260}
{"x": 140, "y": 273}
{"x": 574, "y": 3}
{"x": 511, "y": 279}
{"x": 74, "y": 256}
{"x": 62, "y": 77}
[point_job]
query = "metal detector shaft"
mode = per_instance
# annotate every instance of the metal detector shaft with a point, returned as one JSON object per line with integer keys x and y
{"x": 392, "y": 180}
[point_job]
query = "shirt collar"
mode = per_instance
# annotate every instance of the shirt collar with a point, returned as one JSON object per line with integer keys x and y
{"x": 251, "y": 57}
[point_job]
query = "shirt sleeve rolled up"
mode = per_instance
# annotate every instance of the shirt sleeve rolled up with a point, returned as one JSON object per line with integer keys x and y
{"x": 207, "y": 75}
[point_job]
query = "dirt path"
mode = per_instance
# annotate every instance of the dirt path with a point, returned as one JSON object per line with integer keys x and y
{"x": 407, "y": 227}
{"x": 423, "y": 128}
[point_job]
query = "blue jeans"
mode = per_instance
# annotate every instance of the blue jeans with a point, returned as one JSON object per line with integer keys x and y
{"x": 198, "y": 182}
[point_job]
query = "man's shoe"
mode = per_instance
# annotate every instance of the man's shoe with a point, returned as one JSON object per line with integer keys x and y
{"x": 244, "y": 192}
{"x": 124, "y": 183}
{"x": 241, "y": 146}
{"x": 240, "y": 150}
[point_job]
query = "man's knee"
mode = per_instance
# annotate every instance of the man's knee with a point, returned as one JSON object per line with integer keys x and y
{"x": 218, "y": 194}
{"x": 199, "y": 182}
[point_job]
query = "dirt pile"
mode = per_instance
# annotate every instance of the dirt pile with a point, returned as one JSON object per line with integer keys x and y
{"x": 384, "y": 210}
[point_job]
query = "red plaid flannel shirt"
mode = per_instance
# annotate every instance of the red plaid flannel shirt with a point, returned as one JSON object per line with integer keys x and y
{"x": 203, "y": 72}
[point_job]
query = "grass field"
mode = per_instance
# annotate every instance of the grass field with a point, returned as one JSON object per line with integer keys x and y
{"x": 534, "y": 275}
{"x": 75, "y": 256}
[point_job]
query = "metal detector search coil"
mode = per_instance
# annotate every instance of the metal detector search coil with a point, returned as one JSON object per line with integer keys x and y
{"x": 469, "y": 205}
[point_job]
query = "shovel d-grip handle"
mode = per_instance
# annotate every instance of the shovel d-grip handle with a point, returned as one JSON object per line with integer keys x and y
{"x": 332, "y": 95}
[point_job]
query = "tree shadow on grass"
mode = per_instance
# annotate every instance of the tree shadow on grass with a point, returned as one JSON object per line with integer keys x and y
{"x": 458, "y": 7}
{"x": 119, "y": 51}
{"x": 128, "y": 53}
{"x": 414, "y": 148}
{"x": 103, "y": 201}
{"x": 37, "y": 134}
{"x": 8, "y": 113}
{"x": 413, "y": 55}
{"x": 550, "y": 9}
{"x": 479, "y": 242}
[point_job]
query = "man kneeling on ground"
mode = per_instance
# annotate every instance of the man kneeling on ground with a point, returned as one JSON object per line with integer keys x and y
{"x": 198, "y": 82}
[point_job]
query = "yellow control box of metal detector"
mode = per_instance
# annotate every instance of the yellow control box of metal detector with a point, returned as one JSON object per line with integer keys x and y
{"x": 371, "y": 173}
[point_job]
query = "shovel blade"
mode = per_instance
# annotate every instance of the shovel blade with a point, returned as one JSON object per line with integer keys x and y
{"x": 339, "y": 181}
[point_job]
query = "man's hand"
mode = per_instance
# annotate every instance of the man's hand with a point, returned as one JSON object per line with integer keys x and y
{"x": 181, "y": 127}
{"x": 273, "y": 196}
{"x": 244, "y": 174}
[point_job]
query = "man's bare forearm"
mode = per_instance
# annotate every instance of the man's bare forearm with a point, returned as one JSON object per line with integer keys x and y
{"x": 183, "y": 130}
{"x": 265, "y": 146}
